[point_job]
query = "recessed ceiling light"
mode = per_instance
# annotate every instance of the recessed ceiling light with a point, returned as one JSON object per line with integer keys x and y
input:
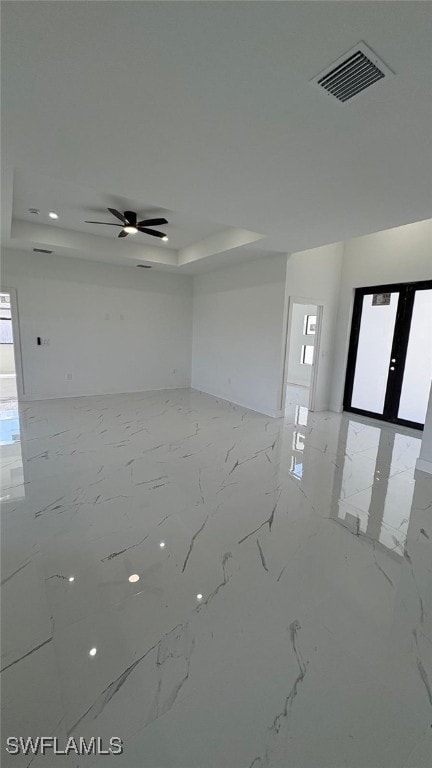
{"x": 165, "y": 239}
{"x": 53, "y": 215}
{"x": 92, "y": 651}
{"x": 131, "y": 230}
{"x": 71, "y": 578}
{"x": 133, "y": 578}
{"x": 161, "y": 544}
{"x": 199, "y": 596}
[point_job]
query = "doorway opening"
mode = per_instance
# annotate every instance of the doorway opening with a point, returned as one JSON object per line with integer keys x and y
{"x": 8, "y": 379}
{"x": 11, "y": 378}
{"x": 12, "y": 472}
{"x": 389, "y": 367}
{"x": 302, "y": 353}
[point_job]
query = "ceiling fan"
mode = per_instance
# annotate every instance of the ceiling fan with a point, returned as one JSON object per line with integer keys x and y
{"x": 130, "y": 226}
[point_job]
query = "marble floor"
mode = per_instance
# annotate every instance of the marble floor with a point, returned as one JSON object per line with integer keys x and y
{"x": 8, "y": 387}
{"x": 217, "y": 588}
{"x": 295, "y": 395}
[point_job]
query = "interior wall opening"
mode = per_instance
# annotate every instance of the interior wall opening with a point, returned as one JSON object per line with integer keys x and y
{"x": 302, "y": 344}
{"x": 11, "y": 470}
{"x": 8, "y": 379}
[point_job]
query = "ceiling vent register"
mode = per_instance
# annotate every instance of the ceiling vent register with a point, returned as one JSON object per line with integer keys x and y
{"x": 354, "y": 72}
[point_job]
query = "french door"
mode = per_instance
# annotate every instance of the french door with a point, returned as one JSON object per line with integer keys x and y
{"x": 389, "y": 367}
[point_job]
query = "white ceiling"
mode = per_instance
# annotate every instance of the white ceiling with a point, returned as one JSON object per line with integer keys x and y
{"x": 206, "y": 110}
{"x": 191, "y": 240}
{"x": 75, "y": 204}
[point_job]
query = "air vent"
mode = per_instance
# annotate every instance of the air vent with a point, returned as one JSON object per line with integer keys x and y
{"x": 355, "y": 71}
{"x": 144, "y": 266}
{"x": 41, "y": 250}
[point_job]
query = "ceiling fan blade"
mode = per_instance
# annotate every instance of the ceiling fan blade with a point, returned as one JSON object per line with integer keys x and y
{"x": 107, "y": 223}
{"x": 123, "y": 233}
{"x": 117, "y": 214}
{"x": 152, "y": 222}
{"x": 153, "y": 232}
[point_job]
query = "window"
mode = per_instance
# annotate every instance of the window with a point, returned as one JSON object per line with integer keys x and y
{"x": 307, "y": 352}
{"x": 6, "y": 330}
{"x": 309, "y": 326}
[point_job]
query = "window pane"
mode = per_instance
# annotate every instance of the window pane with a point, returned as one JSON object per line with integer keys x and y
{"x": 373, "y": 354}
{"x": 6, "y": 332}
{"x": 418, "y": 364}
{"x": 307, "y": 354}
{"x": 309, "y": 325}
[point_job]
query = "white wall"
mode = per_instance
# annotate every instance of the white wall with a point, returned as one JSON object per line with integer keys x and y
{"x": 7, "y": 359}
{"x": 298, "y": 372}
{"x": 115, "y": 329}
{"x": 397, "y": 255}
{"x": 314, "y": 275}
{"x": 119, "y": 329}
{"x": 238, "y": 333}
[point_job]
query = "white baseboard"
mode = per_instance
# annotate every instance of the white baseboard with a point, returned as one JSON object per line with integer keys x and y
{"x": 335, "y": 407}
{"x": 424, "y": 466}
{"x": 41, "y": 398}
{"x": 277, "y": 414}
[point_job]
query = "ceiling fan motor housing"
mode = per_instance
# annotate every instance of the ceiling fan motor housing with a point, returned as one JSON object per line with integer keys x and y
{"x": 131, "y": 218}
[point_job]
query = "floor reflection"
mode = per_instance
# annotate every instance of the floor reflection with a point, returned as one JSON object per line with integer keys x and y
{"x": 367, "y": 476}
{"x": 298, "y": 442}
{"x": 373, "y": 482}
{"x": 12, "y": 472}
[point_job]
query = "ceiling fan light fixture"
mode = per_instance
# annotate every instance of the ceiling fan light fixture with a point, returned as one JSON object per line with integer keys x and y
{"x": 131, "y": 226}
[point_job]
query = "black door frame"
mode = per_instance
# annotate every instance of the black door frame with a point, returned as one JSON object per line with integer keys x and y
{"x": 399, "y": 349}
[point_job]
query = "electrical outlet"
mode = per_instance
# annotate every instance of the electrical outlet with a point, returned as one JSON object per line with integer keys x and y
{"x": 69, "y": 376}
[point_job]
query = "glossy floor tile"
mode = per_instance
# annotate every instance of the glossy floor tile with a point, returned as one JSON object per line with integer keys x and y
{"x": 295, "y": 395}
{"x": 8, "y": 386}
{"x": 217, "y": 588}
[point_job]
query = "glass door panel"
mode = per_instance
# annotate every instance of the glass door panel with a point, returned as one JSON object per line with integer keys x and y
{"x": 373, "y": 352}
{"x": 418, "y": 364}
